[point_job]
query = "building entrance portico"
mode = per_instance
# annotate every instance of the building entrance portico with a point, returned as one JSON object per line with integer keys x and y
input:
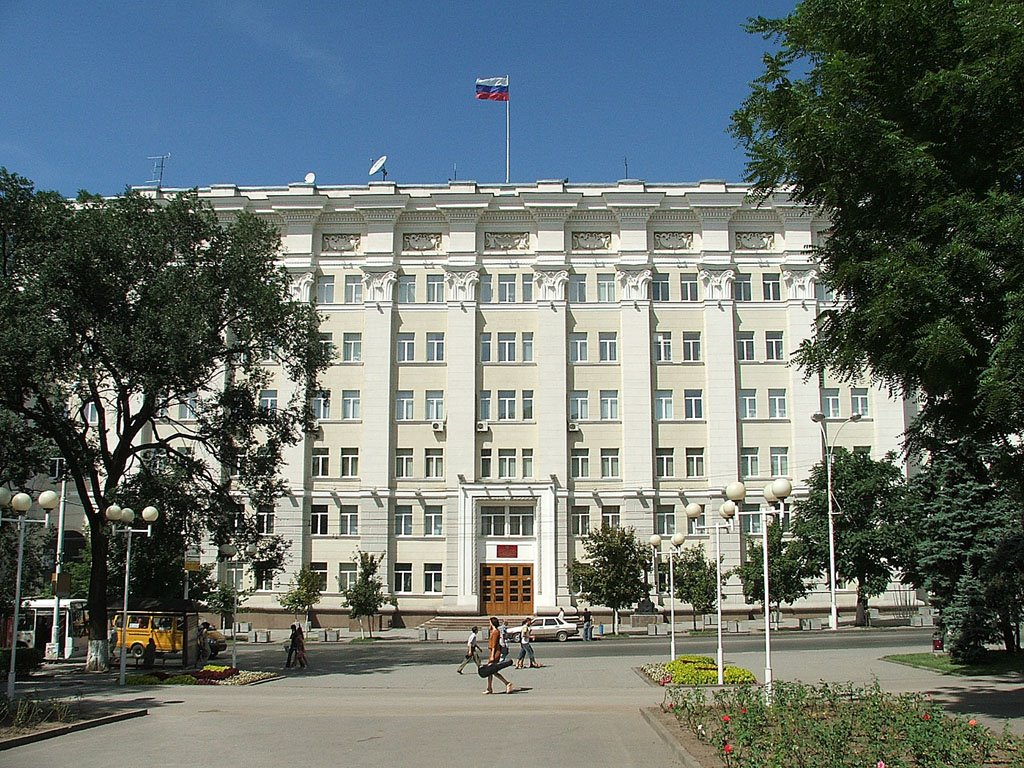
{"x": 506, "y": 589}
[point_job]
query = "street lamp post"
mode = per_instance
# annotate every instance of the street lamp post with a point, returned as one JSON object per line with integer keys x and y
{"x": 776, "y": 491}
{"x": 229, "y": 551}
{"x": 57, "y": 635}
{"x": 126, "y": 516}
{"x": 21, "y": 503}
{"x": 726, "y": 511}
{"x": 830, "y": 449}
{"x": 676, "y": 541}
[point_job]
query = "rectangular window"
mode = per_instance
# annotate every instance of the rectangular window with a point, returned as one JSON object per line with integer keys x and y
{"x": 352, "y": 347}
{"x": 608, "y": 346}
{"x": 486, "y": 290}
{"x": 579, "y": 520}
{"x": 579, "y": 405}
{"x": 750, "y": 463}
{"x": 610, "y": 517}
{"x": 693, "y": 403}
{"x": 321, "y": 464}
{"x": 528, "y": 346}
{"x": 695, "y": 462}
{"x": 350, "y": 404}
{"x": 325, "y": 289}
{"x": 432, "y": 578}
{"x": 346, "y": 576}
{"x": 349, "y": 520}
{"x": 320, "y": 405}
{"x": 659, "y": 287}
{"x": 403, "y": 577}
{"x": 434, "y": 462}
{"x": 485, "y": 462}
{"x": 403, "y": 462}
{"x": 527, "y": 462}
{"x": 688, "y": 287}
{"x": 403, "y": 520}
{"x": 265, "y": 520}
{"x": 663, "y": 405}
{"x": 527, "y": 281}
{"x": 485, "y": 347}
{"x": 434, "y": 405}
{"x": 327, "y": 345}
{"x": 691, "y": 346}
{"x": 435, "y": 289}
{"x": 506, "y": 347}
{"x": 353, "y": 289}
{"x": 268, "y": 399}
{"x": 403, "y": 405}
{"x": 609, "y": 462}
{"x": 264, "y": 582}
{"x": 609, "y": 404}
{"x": 665, "y": 462}
{"x": 745, "y": 345}
{"x": 506, "y": 289}
{"x": 318, "y": 520}
{"x": 830, "y": 403}
{"x": 776, "y": 403}
{"x": 435, "y": 347}
{"x": 484, "y": 409}
{"x": 577, "y": 347}
{"x": 748, "y": 403}
{"x": 527, "y": 405}
{"x": 579, "y": 463}
{"x": 859, "y": 401}
{"x": 406, "y": 292}
{"x": 186, "y": 410}
{"x": 349, "y": 460}
{"x": 780, "y": 462}
{"x": 520, "y": 521}
{"x": 320, "y": 571}
{"x": 695, "y": 524}
{"x": 433, "y": 520}
{"x": 741, "y": 288}
{"x": 577, "y": 289}
{"x": 663, "y": 346}
{"x": 606, "y": 287}
{"x": 506, "y": 463}
{"x": 771, "y": 286}
{"x": 405, "y": 347}
{"x": 506, "y": 404}
{"x": 492, "y": 521}
{"x": 665, "y": 520}
{"x": 773, "y": 345}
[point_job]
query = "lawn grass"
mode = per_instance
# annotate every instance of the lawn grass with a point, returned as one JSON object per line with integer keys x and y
{"x": 357, "y": 640}
{"x": 997, "y": 663}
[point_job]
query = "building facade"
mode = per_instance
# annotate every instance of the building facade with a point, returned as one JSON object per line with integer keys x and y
{"x": 517, "y": 364}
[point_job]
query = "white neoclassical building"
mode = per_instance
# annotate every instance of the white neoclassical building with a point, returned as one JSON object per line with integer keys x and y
{"x": 517, "y": 364}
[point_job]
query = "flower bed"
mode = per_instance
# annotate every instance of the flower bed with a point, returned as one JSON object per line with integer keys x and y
{"x": 211, "y": 674}
{"x": 840, "y": 726}
{"x": 696, "y": 670}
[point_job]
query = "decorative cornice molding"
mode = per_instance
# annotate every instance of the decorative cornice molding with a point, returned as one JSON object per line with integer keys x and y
{"x": 422, "y": 217}
{"x": 550, "y": 284}
{"x": 591, "y": 241}
{"x": 378, "y": 285}
{"x": 419, "y": 242}
{"x": 633, "y": 283}
{"x": 662, "y": 215}
{"x": 744, "y": 216}
{"x": 506, "y": 217}
{"x": 800, "y": 282}
{"x": 506, "y": 241}
{"x": 592, "y": 217}
{"x": 340, "y": 242}
{"x": 714, "y": 212}
{"x": 755, "y": 241}
{"x": 340, "y": 217}
{"x": 673, "y": 241}
{"x": 461, "y": 285}
{"x": 717, "y": 282}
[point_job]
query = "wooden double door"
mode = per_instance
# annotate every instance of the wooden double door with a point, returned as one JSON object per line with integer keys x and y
{"x": 506, "y": 588}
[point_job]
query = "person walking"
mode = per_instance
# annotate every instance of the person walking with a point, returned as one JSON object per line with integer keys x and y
{"x": 526, "y": 647}
{"x": 472, "y": 650}
{"x": 291, "y": 647}
{"x": 588, "y": 625}
{"x": 299, "y": 642}
{"x": 503, "y": 629}
{"x": 494, "y": 656}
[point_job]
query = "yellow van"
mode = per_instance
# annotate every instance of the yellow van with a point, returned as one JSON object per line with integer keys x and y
{"x": 165, "y": 629}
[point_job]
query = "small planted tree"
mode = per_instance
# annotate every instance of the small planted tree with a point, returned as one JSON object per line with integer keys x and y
{"x": 367, "y": 596}
{"x": 225, "y": 600}
{"x": 303, "y": 595}
{"x": 613, "y": 574}
{"x": 788, "y": 572}
{"x": 696, "y": 581}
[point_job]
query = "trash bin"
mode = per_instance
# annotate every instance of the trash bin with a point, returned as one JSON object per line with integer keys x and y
{"x": 938, "y": 643}
{"x": 600, "y": 630}
{"x": 652, "y": 629}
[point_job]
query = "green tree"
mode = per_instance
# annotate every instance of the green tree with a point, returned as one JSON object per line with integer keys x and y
{"x": 132, "y": 338}
{"x": 696, "y": 581}
{"x": 869, "y": 513}
{"x": 303, "y": 595}
{"x": 613, "y": 573}
{"x": 788, "y": 572}
{"x": 367, "y": 596}
{"x": 225, "y": 600}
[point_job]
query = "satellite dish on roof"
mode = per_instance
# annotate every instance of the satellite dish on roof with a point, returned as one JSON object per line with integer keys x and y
{"x": 310, "y": 178}
{"x": 378, "y": 165}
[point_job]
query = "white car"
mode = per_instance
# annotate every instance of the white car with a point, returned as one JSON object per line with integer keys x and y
{"x": 546, "y": 628}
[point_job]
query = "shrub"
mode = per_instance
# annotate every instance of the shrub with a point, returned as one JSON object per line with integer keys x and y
{"x": 696, "y": 670}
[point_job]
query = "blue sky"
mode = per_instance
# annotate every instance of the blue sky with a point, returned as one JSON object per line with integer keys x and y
{"x": 262, "y": 93}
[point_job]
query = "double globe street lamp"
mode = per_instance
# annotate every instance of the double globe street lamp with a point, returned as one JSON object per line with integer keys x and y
{"x": 776, "y": 491}
{"x": 727, "y": 511}
{"x": 230, "y": 551}
{"x": 676, "y": 541}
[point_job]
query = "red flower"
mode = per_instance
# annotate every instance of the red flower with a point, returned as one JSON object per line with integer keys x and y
{"x": 725, "y": 718}
{"x": 743, "y": 710}
{"x": 926, "y": 716}
{"x": 728, "y": 749}
{"x": 972, "y": 722}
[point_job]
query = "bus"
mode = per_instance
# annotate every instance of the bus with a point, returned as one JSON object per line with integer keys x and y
{"x": 35, "y": 626}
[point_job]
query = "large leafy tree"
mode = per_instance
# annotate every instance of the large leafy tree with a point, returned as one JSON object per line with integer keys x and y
{"x": 696, "y": 581}
{"x": 868, "y": 517}
{"x": 613, "y": 573}
{"x": 900, "y": 120}
{"x": 788, "y": 573}
{"x": 123, "y": 315}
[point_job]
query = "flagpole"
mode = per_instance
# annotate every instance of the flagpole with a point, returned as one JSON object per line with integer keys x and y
{"x": 506, "y": 131}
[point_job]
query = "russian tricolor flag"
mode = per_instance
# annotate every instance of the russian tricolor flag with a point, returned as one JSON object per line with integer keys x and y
{"x": 492, "y": 88}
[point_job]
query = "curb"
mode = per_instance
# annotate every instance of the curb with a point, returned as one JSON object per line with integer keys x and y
{"x": 650, "y": 714}
{"x": 49, "y": 733}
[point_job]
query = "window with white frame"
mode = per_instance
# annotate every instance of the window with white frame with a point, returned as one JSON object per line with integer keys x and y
{"x": 691, "y": 346}
{"x": 527, "y": 282}
{"x": 353, "y": 289}
{"x": 608, "y": 346}
{"x": 777, "y": 404}
{"x": 349, "y": 520}
{"x": 234, "y": 576}
{"x": 325, "y": 289}
{"x": 665, "y": 462}
{"x": 528, "y": 346}
{"x": 350, "y": 404}
{"x": 609, "y": 404}
{"x": 578, "y": 348}
{"x": 659, "y": 287}
{"x": 610, "y": 517}
{"x": 485, "y": 347}
{"x": 433, "y": 520}
{"x": 405, "y": 347}
{"x": 693, "y": 403}
{"x": 484, "y": 405}
{"x": 318, "y": 517}
{"x": 663, "y": 346}
{"x": 688, "y": 287}
{"x": 265, "y": 519}
{"x": 346, "y": 576}
{"x": 859, "y": 401}
{"x": 830, "y": 403}
{"x": 435, "y": 289}
{"x": 351, "y": 347}
{"x": 403, "y": 578}
{"x": 695, "y": 462}
{"x": 527, "y": 397}
{"x": 506, "y": 289}
{"x": 579, "y": 405}
{"x": 268, "y": 399}
{"x": 579, "y": 462}
{"x": 403, "y": 520}
{"x": 403, "y": 405}
{"x": 349, "y": 462}
{"x": 406, "y": 293}
{"x": 434, "y": 404}
{"x": 741, "y": 288}
{"x": 485, "y": 289}
{"x": 750, "y": 462}
{"x": 435, "y": 347}
{"x": 745, "y": 346}
{"x": 577, "y": 289}
{"x": 186, "y": 409}
{"x": 320, "y": 404}
{"x": 319, "y": 569}
{"x": 492, "y": 520}
{"x": 665, "y": 520}
{"x": 527, "y": 454}
{"x": 506, "y": 347}
{"x": 748, "y": 403}
{"x": 663, "y": 404}
{"x": 403, "y": 462}
{"x": 520, "y": 521}
{"x": 434, "y": 462}
{"x": 432, "y": 578}
{"x": 506, "y": 404}
{"x": 579, "y": 520}
{"x": 264, "y": 581}
{"x": 610, "y": 462}
{"x": 773, "y": 345}
{"x": 694, "y": 525}
{"x": 606, "y": 287}
{"x": 327, "y": 345}
{"x": 780, "y": 461}
{"x": 771, "y": 287}
{"x": 485, "y": 462}
{"x": 506, "y": 463}
{"x": 321, "y": 462}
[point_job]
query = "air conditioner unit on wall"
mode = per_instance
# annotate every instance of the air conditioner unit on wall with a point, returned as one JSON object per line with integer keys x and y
{"x": 573, "y": 426}
{"x": 482, "y": 426}
{"x": 437, "y": 426}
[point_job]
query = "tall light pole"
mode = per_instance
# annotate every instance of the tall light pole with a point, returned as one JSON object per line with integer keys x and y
{"x": 726, "y": 511}
{"x": 229, "y": 551}
{"x": 126, "y": 516}
{"x": 830, "y": 449}
{"x": 776, "y": 491}
{"x": 21, "y": 503}
{"x": 57, "y": 635}
{"x": 676, "y": 541}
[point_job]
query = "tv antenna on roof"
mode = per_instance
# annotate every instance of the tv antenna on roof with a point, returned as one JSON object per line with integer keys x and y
{"x": 378, "y": 165}
{"x": 158, "y": 169}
